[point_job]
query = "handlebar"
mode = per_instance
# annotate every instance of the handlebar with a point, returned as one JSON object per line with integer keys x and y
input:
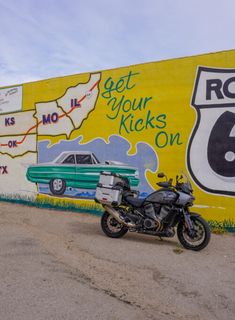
{"x": 165, "y": 184}
{"x": 180, "y": 186}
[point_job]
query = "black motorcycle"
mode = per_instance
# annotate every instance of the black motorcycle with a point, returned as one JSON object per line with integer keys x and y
{"x": 159, "y": 214}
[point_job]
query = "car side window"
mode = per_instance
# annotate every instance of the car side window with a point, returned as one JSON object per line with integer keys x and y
{"x": 70, "y": 159}
{"x": 84, "y": 159}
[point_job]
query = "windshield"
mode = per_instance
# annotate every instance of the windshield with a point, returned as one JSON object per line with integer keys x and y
{"x": 185, "y": 185}
{"x": 60, "y": 158}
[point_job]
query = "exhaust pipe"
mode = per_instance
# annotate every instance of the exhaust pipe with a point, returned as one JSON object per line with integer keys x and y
{"x": 115, "y": 214}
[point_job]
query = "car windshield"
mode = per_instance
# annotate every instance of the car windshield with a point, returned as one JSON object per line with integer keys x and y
{"x": 60, "y": 158}
{"x": 69, "y": 160}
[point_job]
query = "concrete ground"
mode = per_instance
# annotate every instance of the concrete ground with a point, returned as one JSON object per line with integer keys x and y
{"x": 59, "y": 265}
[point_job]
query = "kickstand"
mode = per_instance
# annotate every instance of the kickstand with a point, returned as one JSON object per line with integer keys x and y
{"x": 160, "y": 238}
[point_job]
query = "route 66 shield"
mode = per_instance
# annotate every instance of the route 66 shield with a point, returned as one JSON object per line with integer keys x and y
{"x": 211, "y": 149}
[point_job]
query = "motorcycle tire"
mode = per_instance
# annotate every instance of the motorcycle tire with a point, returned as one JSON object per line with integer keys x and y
{"x": 111, "y": 227}
{"x": 198, "y": 242}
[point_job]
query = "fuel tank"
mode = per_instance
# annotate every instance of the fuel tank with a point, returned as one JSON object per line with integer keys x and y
{"x": 162, "y": 196}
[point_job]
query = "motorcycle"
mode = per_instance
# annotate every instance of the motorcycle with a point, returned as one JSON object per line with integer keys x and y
{"x": 159, "y": 214}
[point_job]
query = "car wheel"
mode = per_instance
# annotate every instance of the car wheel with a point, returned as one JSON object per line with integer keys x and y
{"x": 57, "y": 186}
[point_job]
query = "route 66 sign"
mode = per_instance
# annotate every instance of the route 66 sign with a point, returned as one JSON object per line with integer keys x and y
{"x": 211, "y": 149}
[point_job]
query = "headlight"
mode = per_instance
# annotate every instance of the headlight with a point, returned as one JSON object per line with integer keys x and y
{"x": 190, "y": 202}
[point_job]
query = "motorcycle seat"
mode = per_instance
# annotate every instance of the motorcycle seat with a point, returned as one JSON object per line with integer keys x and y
{"x": 135, "y": 202}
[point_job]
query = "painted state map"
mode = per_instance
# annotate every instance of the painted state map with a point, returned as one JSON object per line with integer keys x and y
{"x": 19, "y": 131}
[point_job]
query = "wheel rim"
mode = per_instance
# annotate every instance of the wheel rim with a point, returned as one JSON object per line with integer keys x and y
{"x": 199, "y": 234}
{"x": 57, "y": 184}
{"x": 114, "y": 225}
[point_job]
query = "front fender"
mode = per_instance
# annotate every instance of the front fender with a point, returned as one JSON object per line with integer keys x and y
{"x": 194, "y": 214}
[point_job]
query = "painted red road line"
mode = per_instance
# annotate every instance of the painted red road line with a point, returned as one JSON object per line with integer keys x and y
{"x": 61, "y": 116}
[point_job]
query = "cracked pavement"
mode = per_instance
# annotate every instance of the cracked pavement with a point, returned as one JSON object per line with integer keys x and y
{"x": 59, "y": 265}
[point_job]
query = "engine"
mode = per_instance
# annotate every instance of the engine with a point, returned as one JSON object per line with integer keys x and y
{"x": 155, "y": 215}
{"x": 151, "y": 217}
{"x": 164, "y": 212}
{"x": 149, "y": 223}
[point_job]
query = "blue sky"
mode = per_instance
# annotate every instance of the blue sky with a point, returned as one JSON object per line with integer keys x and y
{"x": 50, "y": 38}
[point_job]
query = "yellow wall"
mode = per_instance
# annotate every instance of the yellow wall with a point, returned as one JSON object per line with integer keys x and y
{"x": 166, "y": 87}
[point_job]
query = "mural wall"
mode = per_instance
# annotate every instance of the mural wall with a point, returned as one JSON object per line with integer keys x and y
{"x": 178, "y": 115}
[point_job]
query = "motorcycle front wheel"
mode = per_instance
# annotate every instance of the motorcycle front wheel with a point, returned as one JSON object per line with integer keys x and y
{"x": 201, "y": 237}
{"x": 111, "y": 227}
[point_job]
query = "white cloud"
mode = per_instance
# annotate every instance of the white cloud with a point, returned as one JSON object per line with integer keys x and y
{"x": 47, "y": 38}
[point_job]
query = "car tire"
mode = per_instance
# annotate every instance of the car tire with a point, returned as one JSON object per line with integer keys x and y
{"x": 57, "y": 186}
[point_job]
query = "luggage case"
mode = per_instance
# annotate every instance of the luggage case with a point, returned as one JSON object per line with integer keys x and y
{"x": 108, "y": 195}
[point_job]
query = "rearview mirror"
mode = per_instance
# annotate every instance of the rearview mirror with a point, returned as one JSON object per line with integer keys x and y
{"x": 161, "y": 175}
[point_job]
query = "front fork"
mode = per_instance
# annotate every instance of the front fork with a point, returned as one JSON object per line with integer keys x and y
{"x": 188, "y": 223}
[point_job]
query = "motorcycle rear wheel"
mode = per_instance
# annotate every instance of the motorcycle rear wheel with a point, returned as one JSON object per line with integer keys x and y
{"x": 111, "y": 227}
{"x": 202, "y": 234}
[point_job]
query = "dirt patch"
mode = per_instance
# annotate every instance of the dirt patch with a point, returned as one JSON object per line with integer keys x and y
{"x": 137, "y": 277}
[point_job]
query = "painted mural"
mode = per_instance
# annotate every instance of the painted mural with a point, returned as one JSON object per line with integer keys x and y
{"x": 57, "y": 135}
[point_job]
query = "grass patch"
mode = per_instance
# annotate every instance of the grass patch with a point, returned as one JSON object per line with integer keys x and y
{"x": 221, "y": 227}
{"x": 218, "y": 227}
{"x": 53, "y": 203}
{"x": 178, "y": 250}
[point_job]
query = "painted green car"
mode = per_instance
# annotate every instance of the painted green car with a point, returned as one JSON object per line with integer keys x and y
{"x": 77, "y": 170}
